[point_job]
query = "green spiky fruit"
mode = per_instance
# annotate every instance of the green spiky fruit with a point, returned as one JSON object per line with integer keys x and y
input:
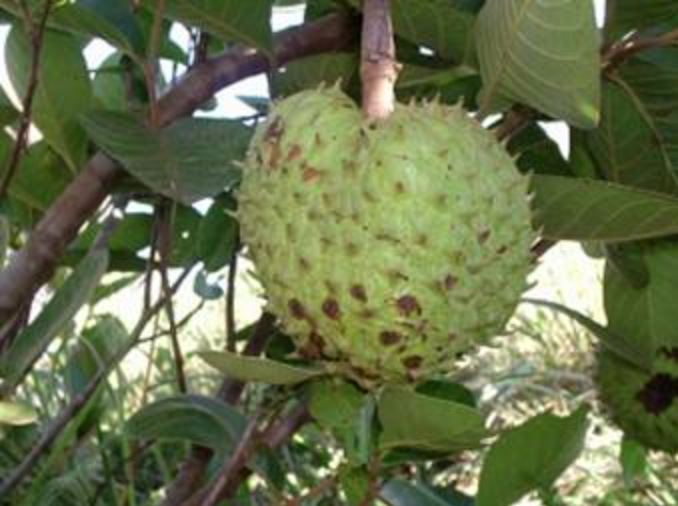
{"x": 386, "y": 248}
{"x": 644, "y": 404}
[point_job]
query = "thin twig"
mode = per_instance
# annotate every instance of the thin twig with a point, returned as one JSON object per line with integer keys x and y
{"x": 378, "y": 68}
{"x": 621, "y": 51}
{"x": 76, "y": 405}
{"x": 165, "y": 250}
{"x": 230, "y": 301}
{"x": 319, "y": 490}
{"x": 37, "y": 35}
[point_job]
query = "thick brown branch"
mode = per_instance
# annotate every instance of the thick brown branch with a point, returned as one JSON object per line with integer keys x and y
{"x": 33, "y": 265}
{"x": 378, "y": 68}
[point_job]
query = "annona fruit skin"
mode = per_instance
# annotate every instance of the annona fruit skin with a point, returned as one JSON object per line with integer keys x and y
{"x": 643, "y": 403}
{"x": 387, "y": 249}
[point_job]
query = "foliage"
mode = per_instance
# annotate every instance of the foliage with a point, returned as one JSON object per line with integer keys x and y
{"x": 83, "y": 423}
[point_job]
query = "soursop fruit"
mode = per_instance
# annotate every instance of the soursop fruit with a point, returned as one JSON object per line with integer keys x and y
{"x": 386, "y": 249}
{"x": 644, "y": 404}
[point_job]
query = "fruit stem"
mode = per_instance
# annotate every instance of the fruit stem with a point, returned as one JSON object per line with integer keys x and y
{"x": 378, "y": 68}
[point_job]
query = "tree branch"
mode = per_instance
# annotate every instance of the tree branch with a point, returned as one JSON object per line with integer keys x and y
{"x": 378, "y": 67}
{"x": 34, "y": 264}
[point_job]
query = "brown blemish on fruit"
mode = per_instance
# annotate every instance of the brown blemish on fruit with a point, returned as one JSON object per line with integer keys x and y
{"x": 297, "y": 309}
{"x": 450, "y": 281}
{"x": 397, "y": 275}
{"x": 314, "y": 346}
{"x": 399, "y": 187}
{"x": 413, "y": 362}
{"x": 303, "y": 263}
{"x": 310, "y": 174}
{"x": 367, "y": 314}
{"x": 352, "y": 249}
{"x": 502, "y": 249}
{"x": 421, "y": 240}
{"x": 294, "y": 152}
{"x": 390, "y": 338}
{"x": 331, "y": 309}
{"x": 658, "y": 394}
{"x": 274, "y": 131}
{"x": 452, "y": 336}
{"x": 331, "y": 286}
{"x": 358, "y": 292}
{"x": 408, "y": 305}
{"x": 483, "y": 236}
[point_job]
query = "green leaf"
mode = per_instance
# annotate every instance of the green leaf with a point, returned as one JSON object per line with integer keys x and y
{"x": 260, "y": 370}
{"x": 41, "y": 177}
{"x": 588, "y": 210}
{"x": 531, "y": 457}
{"x": 413, "y": 420}
{"x": 98, "y": 345}
{"x": 110, "y": 20}
{"x": 398, "y": 492}
{"x": 231, "y": 20}
{"x": 63, "y": 92}
{"x": 633, "y": 350}
{"x": 54, "y": 317}
{"x": 8, "y": 112}
{"x": 190, "y": 160}
{"x": 16, "y": 414}
{"x": 647, "y": 313}
{"x": 628, "y": 146}
{"x": 447, "y": 391}
{"x": 335, "y": 404}
{"x": 119, "y": 84}
{"x": 355, "y": 484}
{"x": 626, "y": 15}
{"x": 204, "y": 421}
{"x": 329, "y": 68}
{"x": 543, "y": 54}
{"x": 218, "y": 235}
{"x": 205, "y": 289}
{"x": 633, "y": 460}
{"x": 538, "y": 153}
{"x": 106, "y": 290}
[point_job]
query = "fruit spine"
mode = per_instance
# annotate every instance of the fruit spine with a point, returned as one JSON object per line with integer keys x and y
{"x": 385, "y": 248}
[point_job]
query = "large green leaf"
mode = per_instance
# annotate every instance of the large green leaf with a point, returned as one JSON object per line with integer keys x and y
{"x": 54, "y": 317}
{"x": 414, "y": 420}
{"x": 590, "y": 210}
{"x": 628, "y": 146}
{"x": 245, "y": 368}
{"x": 531, "y": 457}
{"x": 15, "y": 413}
{"x": 111, "y": 20}
{"x": 63, "y": 92}
{"x": 651, "y": 79}
{"x": 231, "y": 20}
{"x": 190, "y": 160}
{"x": 398, "y": 492}
{"x": 626, "y": 15}
{"x": 197, "y": 419}
{"x": 542, "y": 53}
{"x": 646, "y": 313}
